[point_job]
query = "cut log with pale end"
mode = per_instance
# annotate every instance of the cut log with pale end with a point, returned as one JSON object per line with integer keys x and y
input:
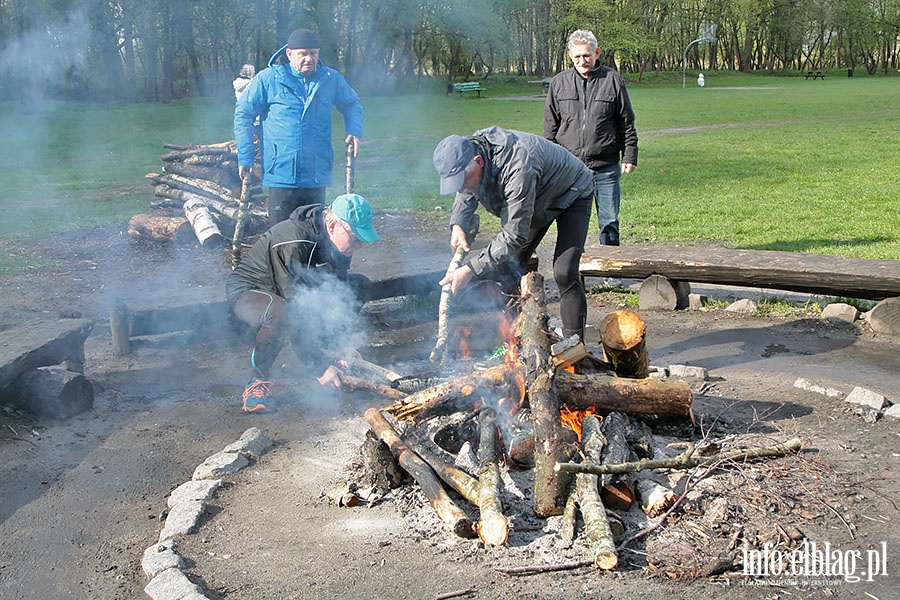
{"x": 443, "y": 505}
{"x": 596, "y": 527}
{"x": 52, "y": 392}
{"x": 493, "y": 528}
{"x": 623, "y": 336}
{"x": 655, "y": 497}
{"x": 568, "y": 352}
{"x": 549, "y": 442}
{"x": 160, "y": 229}
{"x": 205, "y": 228}
{"x": 649, "y": 396}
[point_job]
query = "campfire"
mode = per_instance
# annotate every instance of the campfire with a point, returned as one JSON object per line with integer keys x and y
{"x": 547, "y": 406}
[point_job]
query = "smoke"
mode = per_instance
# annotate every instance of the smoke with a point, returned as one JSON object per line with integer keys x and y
{"x": 325, "y": 321}
{"x": 47, "y": 62}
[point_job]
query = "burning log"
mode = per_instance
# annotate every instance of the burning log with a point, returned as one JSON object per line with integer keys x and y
{"x": 623, "y": 336}
{"x": 439, "y": 352}
{"x": 648, "y": 396}
{"x": 685, "y": 460}
{"x": 197, "y": 213}
{"x": 549, "y": 444}
{"x": 453, "y": 394}
{"x": 160, "y": 229}
{"x": 596, "y": 526}
{"x": 493, "y": 528}
{"x": 617, "y": 490}
{"x": 445, "y": 508}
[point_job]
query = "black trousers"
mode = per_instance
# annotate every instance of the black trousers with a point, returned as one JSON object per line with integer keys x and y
{"x": 572, "y": 228}
{"x": 283, "y": 201}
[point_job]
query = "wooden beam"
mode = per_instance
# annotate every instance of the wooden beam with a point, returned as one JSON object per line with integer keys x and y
{"x": 791, "y": 271}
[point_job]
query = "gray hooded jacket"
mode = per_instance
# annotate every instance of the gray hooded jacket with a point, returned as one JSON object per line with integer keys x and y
{"x": 528, "y": 181}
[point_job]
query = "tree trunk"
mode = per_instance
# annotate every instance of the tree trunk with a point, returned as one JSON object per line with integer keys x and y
{"x": 53, "y": 392}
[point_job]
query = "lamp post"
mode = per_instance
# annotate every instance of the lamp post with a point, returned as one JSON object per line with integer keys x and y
{"x": 707, "y": 34}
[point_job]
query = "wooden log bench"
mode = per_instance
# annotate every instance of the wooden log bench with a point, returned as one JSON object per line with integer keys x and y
{"x": 42, "y": 367}
{"x": 815, "y": 75}
{"x": 470, "y": 86}
{"x": 817, "y": 274}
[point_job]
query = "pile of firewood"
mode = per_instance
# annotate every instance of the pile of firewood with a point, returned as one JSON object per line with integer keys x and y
{"x": 200, "y": 197}
{"x": 546, "y": 404}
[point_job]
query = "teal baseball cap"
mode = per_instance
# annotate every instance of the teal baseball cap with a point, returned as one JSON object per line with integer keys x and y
{"x": 356, "y": 212}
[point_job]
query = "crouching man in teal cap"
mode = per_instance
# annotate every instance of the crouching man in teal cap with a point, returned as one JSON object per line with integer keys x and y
{"x": 313, "y": 246}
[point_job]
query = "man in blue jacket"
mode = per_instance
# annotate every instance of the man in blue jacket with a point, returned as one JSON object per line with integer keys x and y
{"x": 293, "y": 97}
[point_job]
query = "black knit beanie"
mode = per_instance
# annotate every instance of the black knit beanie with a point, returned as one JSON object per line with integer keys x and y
{"x": 303, "y": 38}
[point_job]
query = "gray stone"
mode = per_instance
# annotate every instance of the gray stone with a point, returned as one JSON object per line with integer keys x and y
{"x": 809, "y": 386}
{"x": 688, "y": 372}
{"x": 841, "y": 312}
{"x": 893, "y": 411}
{"x": 865, "y": 397}
{"x": 182, "y": 519}
{"x": 884, "y": 318}
{"x": 172, "y": 584}
{"x": 253, "y": 443}
{"x": 199, "y": 490}
{"x": 159, "y": 557}
{"x": 744, "y": 306}
{"x": 220, "y": 464}
{"x": 660, "y": 293}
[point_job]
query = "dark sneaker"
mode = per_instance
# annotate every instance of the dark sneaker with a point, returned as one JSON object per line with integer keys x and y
{"x": 258, "y": 396}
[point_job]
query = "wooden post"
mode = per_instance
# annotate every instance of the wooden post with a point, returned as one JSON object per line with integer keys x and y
{"x": 120, "y": 330}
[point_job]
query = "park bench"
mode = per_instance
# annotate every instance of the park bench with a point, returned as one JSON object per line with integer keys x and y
{"x": 470, "y": 86}
{"x": 42, "y": 367}
{"x": 815, "y": 75}
{"x": 817, "y": 274}
{"x": 545, "y": 82}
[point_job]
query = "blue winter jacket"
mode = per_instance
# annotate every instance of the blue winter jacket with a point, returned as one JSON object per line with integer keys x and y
{"x": 295, "y": 113}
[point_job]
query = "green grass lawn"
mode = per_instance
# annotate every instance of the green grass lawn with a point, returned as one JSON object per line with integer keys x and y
{"x": 773, "y": 162}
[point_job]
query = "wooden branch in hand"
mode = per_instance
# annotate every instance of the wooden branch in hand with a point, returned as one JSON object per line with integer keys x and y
{"x": 443, "y": 505}
{"x": 440, "y": 346}
{"x": 360, "y": 383}
{"x": 364, "y": 365}
{"x": 686, "y": 460}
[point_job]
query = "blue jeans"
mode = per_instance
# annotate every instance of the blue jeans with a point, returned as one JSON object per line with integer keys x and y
{"x": 606, "y": 199}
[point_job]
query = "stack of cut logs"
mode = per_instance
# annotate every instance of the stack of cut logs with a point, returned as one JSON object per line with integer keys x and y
{"x": 518, "y": 406}
{"x": 200, "y": 196}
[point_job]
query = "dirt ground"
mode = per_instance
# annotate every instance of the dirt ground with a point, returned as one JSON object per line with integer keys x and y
{"x": 81, "y": 499}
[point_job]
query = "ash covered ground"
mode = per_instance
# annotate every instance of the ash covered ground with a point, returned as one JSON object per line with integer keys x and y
{"x": 81, "y": 499}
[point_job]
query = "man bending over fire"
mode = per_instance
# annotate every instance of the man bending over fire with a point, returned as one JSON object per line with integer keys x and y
{"x": 309, "y": 251}
{"x": 529, "y": 182}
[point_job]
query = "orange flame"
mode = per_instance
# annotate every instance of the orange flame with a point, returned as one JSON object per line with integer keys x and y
{"x": 463, "y": 334}
{"x": 508, "y": 334}
{"x": 573, "y": 418}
